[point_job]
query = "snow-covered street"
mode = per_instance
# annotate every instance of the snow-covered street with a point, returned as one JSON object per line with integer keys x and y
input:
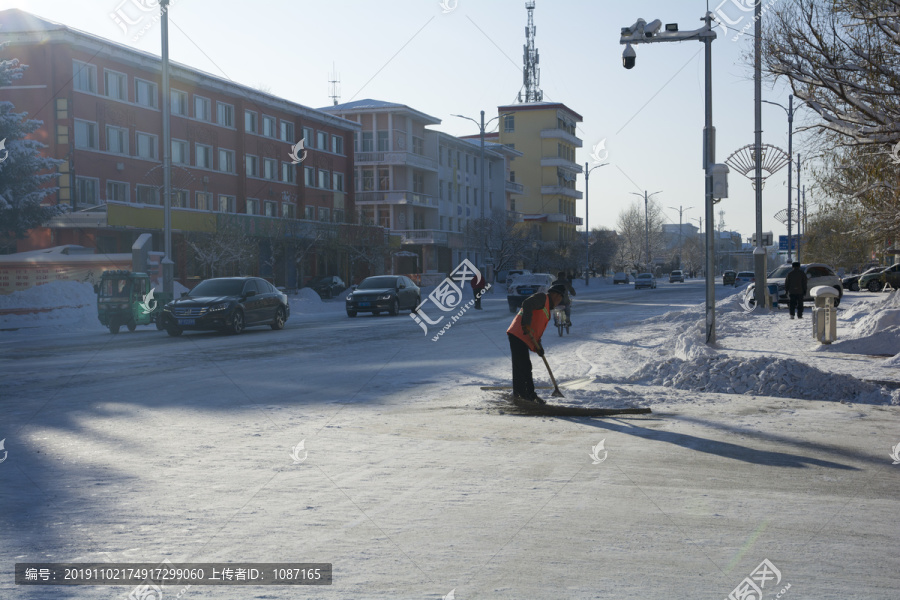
{"x": 413, "y": 482}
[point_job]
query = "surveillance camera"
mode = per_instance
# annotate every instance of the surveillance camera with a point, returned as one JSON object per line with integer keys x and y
{"x": 652, "y": 28}
{"x": 628, "y": 57}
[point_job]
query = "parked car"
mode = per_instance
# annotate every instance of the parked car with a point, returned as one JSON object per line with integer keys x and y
{"x": 744, "y": 277}
{"x": 875, "y": 282}
{"x": 328, "y": 286}
{"x": 526, "y": 285}
{"x": 676, "y": 276}
{"x": 816, "y": 273}
{"x": 620, "y": 277}
{"x": 227, "y": 304}
{"x": 728, "y": 277}
{"x": 508, "y": 275}
{"x": 383, "y": 293}
{"x": 645, "y": 280}
{"x": 851, "y": 282}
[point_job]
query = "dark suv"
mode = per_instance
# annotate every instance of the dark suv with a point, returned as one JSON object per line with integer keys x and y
{"x": 227, "y": 304}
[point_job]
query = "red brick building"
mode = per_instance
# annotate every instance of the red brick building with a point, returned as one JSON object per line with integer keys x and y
{"x": 100, "y": 103}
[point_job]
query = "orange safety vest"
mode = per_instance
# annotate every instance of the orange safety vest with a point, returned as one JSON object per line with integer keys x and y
{"x": 539, "y": 320}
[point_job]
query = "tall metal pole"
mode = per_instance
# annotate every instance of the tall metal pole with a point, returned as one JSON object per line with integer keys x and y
{"x": 799, "y": 214}
{"x": 710, "y": 159}
{"x": 587, "y": 228}
{"x": 759, "y": 253}
{"x": 790, "y": 168}
{"x": 168, "y": 266}
{"x": 647, "y": 228}
{"x": 484, "y": 197}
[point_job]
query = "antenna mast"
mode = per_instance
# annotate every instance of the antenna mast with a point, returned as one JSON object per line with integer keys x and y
{"x": 531, "y": 72}
{"x": 335, "y": 94}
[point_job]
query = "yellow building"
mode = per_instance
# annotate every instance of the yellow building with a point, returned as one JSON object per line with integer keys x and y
{"x": 545, "y": 133}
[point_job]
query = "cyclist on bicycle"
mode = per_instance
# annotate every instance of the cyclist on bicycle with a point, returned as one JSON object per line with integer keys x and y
{"x": 561, "y": 279}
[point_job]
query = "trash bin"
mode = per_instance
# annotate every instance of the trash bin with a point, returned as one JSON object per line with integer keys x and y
{"x": 772, "y": 298}
{"x": 824, "y": 319}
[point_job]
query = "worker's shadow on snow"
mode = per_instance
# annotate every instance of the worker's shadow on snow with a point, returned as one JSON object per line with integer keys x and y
{"x": 723, "y": 449}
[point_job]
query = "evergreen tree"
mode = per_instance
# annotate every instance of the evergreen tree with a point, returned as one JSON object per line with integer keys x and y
{"x": 25, "y": 175}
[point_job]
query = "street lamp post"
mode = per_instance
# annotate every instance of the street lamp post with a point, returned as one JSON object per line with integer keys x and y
{"x": 644, "y": 33}
{"x": 587, "y": 228}
{"x": 647, "y": 221}
{"x": 168, "y": 266}
{"x": 790, "y": 115}
{"x": 484, "y": 194}
{"x": 681, "y": 211}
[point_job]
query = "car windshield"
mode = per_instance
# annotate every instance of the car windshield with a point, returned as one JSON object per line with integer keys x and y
{"x": 645, "y": 276}
{"x": 378, "y": 283}
{"x": 781, "y": 272}
{"x": 114, "y": 288}
{"x": 534, "y": 280}
{"x": 745, "y": 274}
{"x": 218, "y": 287}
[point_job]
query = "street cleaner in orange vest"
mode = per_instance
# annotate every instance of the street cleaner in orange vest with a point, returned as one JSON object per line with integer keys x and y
{"x": 525, "y": 335}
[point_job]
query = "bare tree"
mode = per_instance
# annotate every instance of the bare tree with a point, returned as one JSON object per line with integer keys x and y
{"x": 632, "y": 227}
{"x": 507, "y": 241}
{"x": 227, "y": 251}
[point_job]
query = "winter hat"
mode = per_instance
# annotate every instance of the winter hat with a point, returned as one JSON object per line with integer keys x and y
{"x": 795, "y": 264}
{"x": 558, "y": 288}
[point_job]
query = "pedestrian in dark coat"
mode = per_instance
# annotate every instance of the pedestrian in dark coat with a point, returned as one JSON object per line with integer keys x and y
{"x": 795, "y": 285}
{"x": 478, "y": 284}
{"x": 524, "y": 335}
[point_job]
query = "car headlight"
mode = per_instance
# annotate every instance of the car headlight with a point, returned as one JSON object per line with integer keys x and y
{"x": 386, "y": 297}
{"x": 219, "y": 307}
{"x": 350, "y": 297}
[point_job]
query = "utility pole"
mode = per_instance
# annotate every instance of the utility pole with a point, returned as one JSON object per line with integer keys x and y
{"x": 587, "y": 228}
{"x": 646, "y": 198}
{"x": 799, "y": 217}
{"x": 759, "y": 253}
{"x": 168, "y": 265}
{"x": 680, "y": 242}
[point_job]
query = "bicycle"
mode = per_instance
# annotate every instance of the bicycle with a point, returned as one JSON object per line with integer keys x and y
{"x": 559, "y": 319}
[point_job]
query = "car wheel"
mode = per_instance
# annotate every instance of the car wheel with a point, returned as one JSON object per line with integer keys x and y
{"x": 395, "y": 308}
{"x": 278, "y": 323}
{"x": 172, "y": 329}
{"x": 874, "y": 286}
{"x": 131, "y": 325}
{"x": 237, "y": 322}
{"x": 113, "y": 326}
{"x": 512, "y": 308}
{"x": 375, "y": 313}
{"x": 158, "y": 320}
{"x": 351, "y": 313}
{"x": 854, "y": 287}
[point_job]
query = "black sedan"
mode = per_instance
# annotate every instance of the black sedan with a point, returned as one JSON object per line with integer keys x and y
{"x": 227, "y": 304}
{"x": 383, "y": 293}
{"x": 851, "y": 282}
{"x": 327, "y": 287}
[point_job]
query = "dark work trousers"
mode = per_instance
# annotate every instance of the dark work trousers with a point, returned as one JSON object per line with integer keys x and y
{"x": 523, "y": 383}
{"x": 795, "y": 302}
{"x": 477, "y": 292}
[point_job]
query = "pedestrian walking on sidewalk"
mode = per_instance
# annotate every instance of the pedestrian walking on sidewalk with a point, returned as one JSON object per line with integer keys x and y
{"x": 525, "y": 336}
{"x": 478, "y": 284}
{"x": 795, "y": 286}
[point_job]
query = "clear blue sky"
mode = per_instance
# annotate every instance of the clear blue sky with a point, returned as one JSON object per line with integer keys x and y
{"x": 470, "y": 58}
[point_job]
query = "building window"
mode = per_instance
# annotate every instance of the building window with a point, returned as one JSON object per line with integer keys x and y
{"x": 180, "y": 153}
{"x": 226, "y": 203}
{"x": 309, "y": 135}
{"x": 325, "y": 179}
{"x": 146, "y": 145}
{"x": 268, "y": 126}
{"x": 287, "y": 131}
{"x": 467, "y": 163}
{"x": 512, "y": 176}
{"x": 384, "y": 141}
{"x": 250, "y": 121}
{"x": 115, "y": 85}
{"x": 476, "y": 196}
{"x": 368, "y": 142}
{"x": 86, "y": 190}
{"x": 86, "y": 135}
{"x": 252, "y": 206}
{"x": 324, "y": 214}
{"x": 338, "y": 215}
{"x": 418, "y": 146}
{"x": 337, "y": 144}
{"x": 179, "y": 199}
{"x": 474, "y": 165}
{"x": 204, "y": 201}
{"x": 203, "y": 156}
{"x": 116, "y": 191}
{"x": 339, "y": 182}
{"x": 384, "y": 179}
{"x": 84, "y": 77}
{"x": 355, "y": 141}
{"x": 509, "y": 123}
{"x": 310, "y": 213}
{"x": 145, "y": 93}
{"x": 368, "y": 180}
{"x": 179, "y": 101}
{"x": 226, "y": 160}
{"x": 309, "y": 176}
{"x": 147, "y": 194}
{"x": 251, "y": 165}
{"x": 322, "y": 140}
{"x": 287, "y": 210}
{"x": 116, "y": 140}
{"x": 270, "y": 168}
{"x": 202, "y": 108}
{"x": 225, "y": 114}
{"x": 271, "y": 208}
{"x": 419, "y": 183}
{"x": 287, "y": 172}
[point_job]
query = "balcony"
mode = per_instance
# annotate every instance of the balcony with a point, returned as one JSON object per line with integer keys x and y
{"x": 561, "y": 134}
{"x": 422, "y": 236}
{"x": 561, "y": 163}
{"x": 408, "y": 159}
{"x": 396, "y": 197}
{"x": 515, "y": 188}
{"x": 559, "y": 190}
